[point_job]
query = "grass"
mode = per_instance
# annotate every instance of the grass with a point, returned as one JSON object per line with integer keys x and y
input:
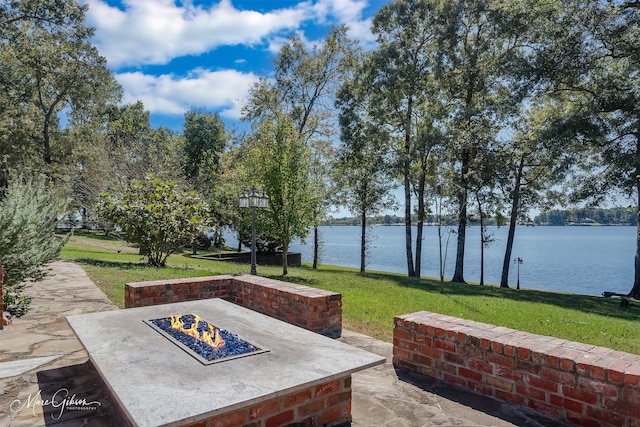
{"x": 371, "y": 300}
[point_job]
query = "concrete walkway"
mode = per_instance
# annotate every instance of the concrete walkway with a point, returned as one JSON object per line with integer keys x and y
{"x": 41, "y": 359}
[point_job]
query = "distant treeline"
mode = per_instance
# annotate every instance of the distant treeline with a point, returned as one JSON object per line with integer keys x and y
{"x": 376, "y": 220}
{"x": 588, "y": 216}
{"x": 391, "y": 220}
{"x": 582, "y": 216}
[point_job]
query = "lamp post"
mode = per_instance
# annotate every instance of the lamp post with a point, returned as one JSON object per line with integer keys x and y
{"x": 254, "y": 201}
{"x": 519, "y": 261}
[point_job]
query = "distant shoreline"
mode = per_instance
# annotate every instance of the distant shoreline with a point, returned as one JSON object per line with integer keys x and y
{"x": 617, "y": 216}
{"x": 433, "y": 224}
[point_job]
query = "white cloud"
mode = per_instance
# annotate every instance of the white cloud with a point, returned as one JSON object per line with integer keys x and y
{"x": 156, "y": 31}
{"x": 223, "y": 91}
{"x": 349, "y": 13}
{"x": 361, "y": 30}
{"x": 140, "y": 33}
{"x": 344, "y": 11}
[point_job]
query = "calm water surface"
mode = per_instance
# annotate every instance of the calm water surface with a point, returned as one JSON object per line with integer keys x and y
{"x": 584, "y": 260}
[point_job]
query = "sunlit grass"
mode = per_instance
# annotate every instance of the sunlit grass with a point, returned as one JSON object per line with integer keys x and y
{"x": 370, "y": 301}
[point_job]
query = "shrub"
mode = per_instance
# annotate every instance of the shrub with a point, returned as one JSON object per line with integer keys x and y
{"x": 28, "y": 219}
{"x": 157, "y": 217}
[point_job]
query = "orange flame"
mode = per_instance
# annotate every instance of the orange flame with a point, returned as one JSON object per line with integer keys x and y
{"x": 211, "y": 337}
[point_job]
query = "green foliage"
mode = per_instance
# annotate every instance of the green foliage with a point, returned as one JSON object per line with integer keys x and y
{"x": 28, "y": 218}
{"x": 49, "y": 70}
{"x": 361, "y": 171}
{"x": 205, "y": 141}
{"x": 590, "y": 56}
{"x": 306, "y": 79}
{"x": 53, "y": 68}
{"x": 54, "y": 14}
{"x": 402, "y": 99}
{"x": 156, "y": 216}
{"x": 278, "y": 158}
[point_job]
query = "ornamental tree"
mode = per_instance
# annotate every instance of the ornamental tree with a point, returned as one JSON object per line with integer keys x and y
{"x": 277, "y": 157}
{"x": 156, "y": 216}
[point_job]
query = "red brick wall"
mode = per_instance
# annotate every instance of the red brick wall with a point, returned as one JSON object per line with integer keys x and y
{"x": 142, "y": 294}
{"x": 579, "y": 383}
{"x": 323, "y": 405}
{"x": 309, "y": 308}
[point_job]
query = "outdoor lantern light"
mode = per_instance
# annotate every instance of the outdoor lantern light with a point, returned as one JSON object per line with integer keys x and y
{"x": 253, "y": 201}
{"x": 244, "y": 201}
{"x": 519, "y": 261}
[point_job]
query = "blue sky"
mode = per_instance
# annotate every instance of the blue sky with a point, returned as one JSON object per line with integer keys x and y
{"x": 178, "y": 55}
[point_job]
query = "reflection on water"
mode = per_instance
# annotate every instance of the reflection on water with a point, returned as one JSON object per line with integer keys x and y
{"x": 585, "y": 260}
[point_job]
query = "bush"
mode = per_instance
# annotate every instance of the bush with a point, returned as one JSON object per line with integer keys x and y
{"x": 28, "y": 219}
{"x": 157, "y": 217}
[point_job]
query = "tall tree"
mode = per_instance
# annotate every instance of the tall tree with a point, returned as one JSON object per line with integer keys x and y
{"x": 304, "y": 86}
{"x": 538, "y": 159}
{"x": 205, "y": 140}
{"x": 475, "y": 55}
{"x": 591, "y": 55}
{"x": 400, "y": 82}
{"x": 129, "y": 142}
{"x": 58, "y": 69}
{"x": 277, "y": 157}
{"x": 361, "y": 165}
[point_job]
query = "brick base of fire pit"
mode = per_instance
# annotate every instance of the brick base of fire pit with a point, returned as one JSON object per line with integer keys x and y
{"x": 303, "y": 378}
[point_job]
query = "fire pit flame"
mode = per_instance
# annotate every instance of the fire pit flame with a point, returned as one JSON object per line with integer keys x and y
{"x": 202, "y": 340}
{"x": 210, "y": 336}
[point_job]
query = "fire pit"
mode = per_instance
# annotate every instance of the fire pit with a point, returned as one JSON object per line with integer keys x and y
{"x": 202, "y": 340}
{"x": 303, "y": 378}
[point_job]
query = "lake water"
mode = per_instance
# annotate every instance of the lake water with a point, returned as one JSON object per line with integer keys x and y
{"x": 583, "y": 260}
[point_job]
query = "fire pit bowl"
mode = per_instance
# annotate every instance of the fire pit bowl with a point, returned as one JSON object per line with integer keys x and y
{"x": 202, "y": 340}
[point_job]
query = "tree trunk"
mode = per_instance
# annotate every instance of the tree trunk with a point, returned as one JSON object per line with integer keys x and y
{"x": 363, "y": 242}
{"x": 316, "y": 246}
{"x": 85, "y": 218}
{"x": 439, "y": 217}
{"x": 46, "y": 140}
{"x": 285, "y": 255}
{"x": 504, "y": 280}
{"x": 482, "y": 239}
{"x": 481, "y": 254}
{"x": 407, "y": 189}
{"x": 635, "y": 291}
{"x": 420, "y": 230}
{"x": 458, "y": 274}
{"x": 440, "y": 249}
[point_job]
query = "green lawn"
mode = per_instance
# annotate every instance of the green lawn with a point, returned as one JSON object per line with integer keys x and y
{"x": 371, "y": 301}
